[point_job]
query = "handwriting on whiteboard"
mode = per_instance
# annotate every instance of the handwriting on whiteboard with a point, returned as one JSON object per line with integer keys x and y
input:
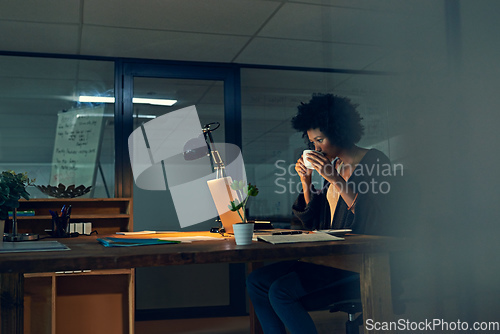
{"x": 77, "y": 145}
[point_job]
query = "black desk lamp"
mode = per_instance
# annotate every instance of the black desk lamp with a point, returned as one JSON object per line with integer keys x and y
{"x": 203, "y": 146}
{"x": 197, "y": 148}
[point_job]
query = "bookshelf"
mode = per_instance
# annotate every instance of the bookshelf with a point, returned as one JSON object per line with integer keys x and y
{"x": 97, "y": 301}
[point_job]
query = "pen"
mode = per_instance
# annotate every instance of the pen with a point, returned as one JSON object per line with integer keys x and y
{"x": 66, "y": 217}
{"x": 55, "y": 221}
{"x": 53, "y": 214}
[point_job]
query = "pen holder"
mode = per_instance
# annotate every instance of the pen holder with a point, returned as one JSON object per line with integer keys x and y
{"x": 60, "y": 227}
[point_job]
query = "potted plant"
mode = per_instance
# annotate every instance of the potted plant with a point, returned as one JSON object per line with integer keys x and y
{"x": 12, "y": 188}
{"x": 243, "y": 232}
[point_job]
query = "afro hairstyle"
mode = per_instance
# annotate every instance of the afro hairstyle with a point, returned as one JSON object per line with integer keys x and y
{"x": 333, "y": 115}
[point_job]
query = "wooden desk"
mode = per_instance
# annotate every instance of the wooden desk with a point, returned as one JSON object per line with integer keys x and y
{"x": 367, "y": 254}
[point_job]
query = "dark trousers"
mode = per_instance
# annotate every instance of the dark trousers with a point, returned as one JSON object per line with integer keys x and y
{"x": 282, "y": 294}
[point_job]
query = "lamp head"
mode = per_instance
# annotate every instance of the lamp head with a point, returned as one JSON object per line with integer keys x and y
{"x": 199, "y": 147}
{"x": 195, "y": 148}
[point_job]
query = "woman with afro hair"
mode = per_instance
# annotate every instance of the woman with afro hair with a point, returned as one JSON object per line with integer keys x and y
{"x": 353, "y": 197}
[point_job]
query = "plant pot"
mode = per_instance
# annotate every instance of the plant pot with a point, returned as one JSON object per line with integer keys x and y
{"x": 243, "y": 233}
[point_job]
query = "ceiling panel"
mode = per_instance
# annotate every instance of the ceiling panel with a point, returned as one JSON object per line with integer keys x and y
{"x": 355, "y": 26}
{"x": 400, "y": 6}
{"x": 55, "y": 11}
{"x": 38, "y": 37}
{"x": 159, "y": 44}
{"x": 309, "y": 54}
{"x": 242, "y": 17}
{"x": 331, "y": 24}
{"x": 294, "y": 33}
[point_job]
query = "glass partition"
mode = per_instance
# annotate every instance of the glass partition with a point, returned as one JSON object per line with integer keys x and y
{"x": 166, "y": 291}
{"x": 154, "y": 210}
{"x": 40, "y": 116}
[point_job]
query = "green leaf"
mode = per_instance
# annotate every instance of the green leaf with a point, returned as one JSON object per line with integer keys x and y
{"x": 12, "y": 188}
{"x": 235, "y": 206}
{"x": 252, "y": 190}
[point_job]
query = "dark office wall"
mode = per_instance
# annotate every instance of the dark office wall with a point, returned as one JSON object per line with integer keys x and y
{"x": 473, "y": 122}
{"x": 452, "y": 124}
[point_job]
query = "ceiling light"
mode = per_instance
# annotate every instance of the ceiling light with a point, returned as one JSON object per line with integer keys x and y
{"x": 96, "y": 99}
{"x": 107, "y": 99}
{"x": 159, "y": 102}
{"x": 112, "y": 115}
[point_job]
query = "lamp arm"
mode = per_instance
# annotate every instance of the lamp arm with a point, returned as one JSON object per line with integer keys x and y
{"x": 215, "y": 158}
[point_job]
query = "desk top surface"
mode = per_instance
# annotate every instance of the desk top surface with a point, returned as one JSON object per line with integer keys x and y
{"x": 88, "y": 253}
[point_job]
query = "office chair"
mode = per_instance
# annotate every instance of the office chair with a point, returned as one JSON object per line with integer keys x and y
{"x": 354, "y": 306}
{"x": 351, "y": 307}
{"x": 349, "y": 301}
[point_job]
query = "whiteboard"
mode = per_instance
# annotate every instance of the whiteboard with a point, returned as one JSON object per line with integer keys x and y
{"x": 77, "y": 146}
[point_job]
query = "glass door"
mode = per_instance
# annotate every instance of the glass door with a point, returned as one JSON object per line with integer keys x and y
{"x": 170, "y": 292}
{"x": 154, "y": 209}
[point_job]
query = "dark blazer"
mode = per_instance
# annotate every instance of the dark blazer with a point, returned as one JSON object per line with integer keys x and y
{"x": 371, "y": 179}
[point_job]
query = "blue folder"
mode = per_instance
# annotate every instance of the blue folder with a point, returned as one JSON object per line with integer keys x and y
{"x": 122, "y": 242}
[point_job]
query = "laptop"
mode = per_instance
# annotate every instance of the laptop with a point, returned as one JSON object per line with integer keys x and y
{"x": 222, "y": 194}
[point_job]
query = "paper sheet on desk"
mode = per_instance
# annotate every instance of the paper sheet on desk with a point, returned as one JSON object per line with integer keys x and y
{"x": 191, "y": 239}
{"x": 143, "y": 232}
{"x": 293, "y": 238}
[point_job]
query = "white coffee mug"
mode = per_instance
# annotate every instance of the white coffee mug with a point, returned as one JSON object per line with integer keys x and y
{"x": 307, "y": 163}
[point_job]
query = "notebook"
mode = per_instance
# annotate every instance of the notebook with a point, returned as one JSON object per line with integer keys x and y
{"x": 293, "y": 238}
{"x": 222, "y": 195}
{"x": 32, "y": 246}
